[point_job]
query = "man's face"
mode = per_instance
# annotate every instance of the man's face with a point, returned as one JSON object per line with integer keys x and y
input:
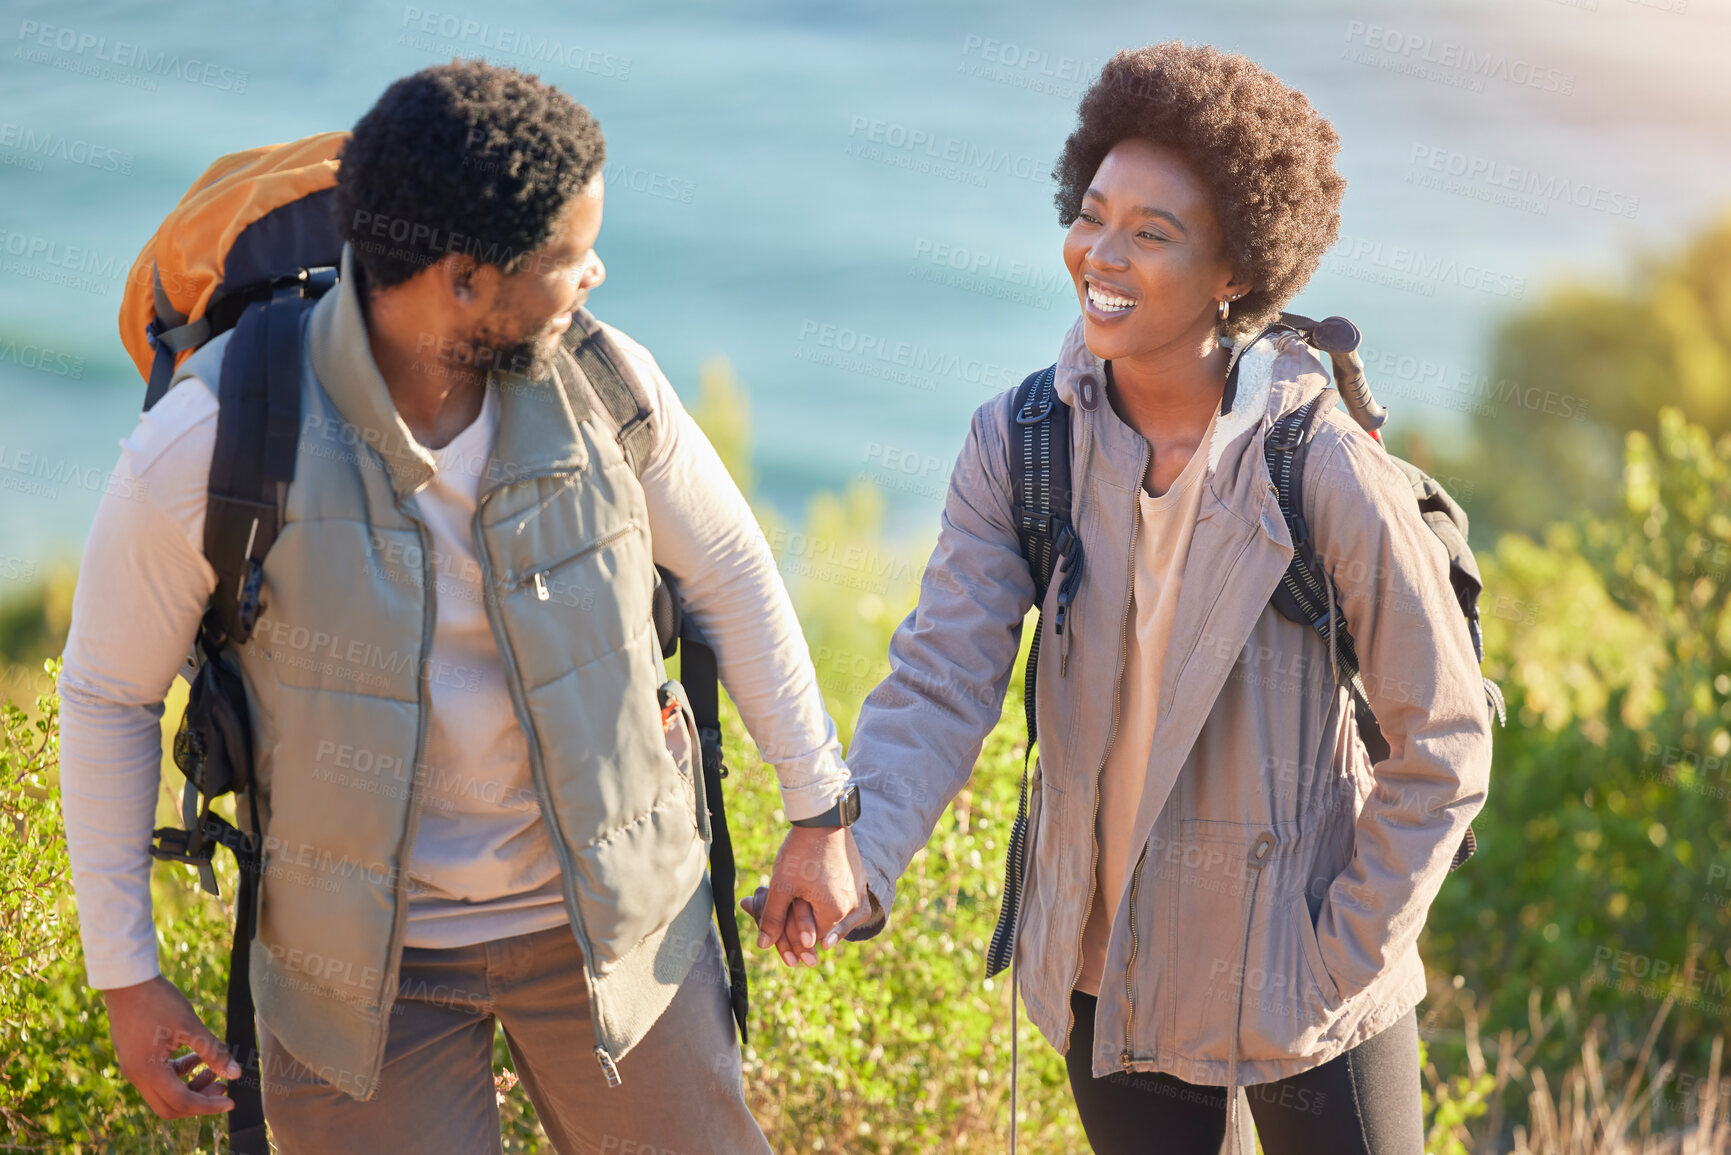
{"x": 531, "y": 308}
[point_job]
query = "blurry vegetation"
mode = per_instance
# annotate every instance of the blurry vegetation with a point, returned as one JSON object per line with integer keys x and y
{"x": 1604, "y": 860}
{"x": 1580, "y": 982}
{"x": 1572, "y": 374}
{"x": 34, "y": 619}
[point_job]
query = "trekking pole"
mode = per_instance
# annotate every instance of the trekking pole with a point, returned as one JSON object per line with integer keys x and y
{"x": 1339, "y": 338}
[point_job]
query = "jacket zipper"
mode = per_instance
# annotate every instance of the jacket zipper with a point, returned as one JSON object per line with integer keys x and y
{"x": 1129, "y": 967}
{"x": 1099, "y": 771}
{"x": 539, "y": 578}
{"x": 513, "y": 677}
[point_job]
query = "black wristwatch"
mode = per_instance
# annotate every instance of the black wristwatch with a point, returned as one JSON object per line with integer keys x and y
{"x": 844, "y": 813}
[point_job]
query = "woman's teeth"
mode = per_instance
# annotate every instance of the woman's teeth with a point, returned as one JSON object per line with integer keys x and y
{"x": 1108, "y": 302}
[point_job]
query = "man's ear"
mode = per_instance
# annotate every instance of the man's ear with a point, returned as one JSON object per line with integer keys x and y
{"x": 459, "y": 272}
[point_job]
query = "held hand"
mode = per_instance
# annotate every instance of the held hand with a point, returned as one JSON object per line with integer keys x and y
{"x": 148, "y": 1021}
{"x": 817, "y": 889}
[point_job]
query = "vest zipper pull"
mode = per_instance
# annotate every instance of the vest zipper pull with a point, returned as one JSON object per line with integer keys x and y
{"x": 608, "y": 1067}
{"x": 541, "y": 585}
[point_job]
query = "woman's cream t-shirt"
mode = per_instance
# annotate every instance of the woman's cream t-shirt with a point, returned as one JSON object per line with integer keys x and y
{"x": 1163, "y": 542}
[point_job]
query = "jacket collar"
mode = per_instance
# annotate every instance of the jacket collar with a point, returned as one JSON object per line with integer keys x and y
{"x": 537, "y": 427}
{"x": 1275, "y": 374}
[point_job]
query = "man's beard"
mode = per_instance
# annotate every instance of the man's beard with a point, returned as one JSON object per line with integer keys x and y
{"x": 533, "y": 356}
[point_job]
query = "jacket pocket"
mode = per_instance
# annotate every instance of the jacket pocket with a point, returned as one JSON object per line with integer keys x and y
{"x": 1246, "y": 969}
{"x": 1289, "y": 997}
{"x": 679, "y": 728}
{"x": 1324, "y": 981}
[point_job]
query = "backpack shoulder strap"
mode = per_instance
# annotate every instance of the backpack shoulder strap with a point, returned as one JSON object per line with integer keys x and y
{"x": 258, "y": 422}
{"x": 1039, "y": 451}
{"x": 626, "y": 399}
{"x": 1302, "y": 595}
{"x": 257, "y": 433}
{"x": 1039, "y": 445}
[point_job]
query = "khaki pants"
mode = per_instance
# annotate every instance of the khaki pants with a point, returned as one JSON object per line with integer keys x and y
{"x": 680, "y": 1093}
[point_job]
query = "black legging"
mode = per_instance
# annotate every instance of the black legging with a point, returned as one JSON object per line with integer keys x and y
{"x": 1363, "y": 1102}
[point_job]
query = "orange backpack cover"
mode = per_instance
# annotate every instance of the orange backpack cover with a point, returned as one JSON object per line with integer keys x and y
{"x": 186, "y": 265}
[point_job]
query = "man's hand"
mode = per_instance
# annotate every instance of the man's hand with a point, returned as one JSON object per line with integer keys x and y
{"x": 148, "y": 1020}
{"x": 817, "y": 889}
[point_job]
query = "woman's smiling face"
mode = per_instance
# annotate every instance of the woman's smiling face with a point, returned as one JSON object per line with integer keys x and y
{"x": 1146, "y": 253}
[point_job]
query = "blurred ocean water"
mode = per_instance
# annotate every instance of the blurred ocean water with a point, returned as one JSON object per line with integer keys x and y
{"x": 850, "y": 201}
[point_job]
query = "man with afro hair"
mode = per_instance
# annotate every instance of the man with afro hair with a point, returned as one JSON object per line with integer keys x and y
{"x": 478, "y": 789}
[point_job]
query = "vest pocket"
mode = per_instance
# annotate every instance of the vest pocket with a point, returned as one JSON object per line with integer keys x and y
{"x": 679, "y": 728}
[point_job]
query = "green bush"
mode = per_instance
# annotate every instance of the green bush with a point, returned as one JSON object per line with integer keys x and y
{"x": 62, "y": 1091}
{"x": 1604, "y": 859}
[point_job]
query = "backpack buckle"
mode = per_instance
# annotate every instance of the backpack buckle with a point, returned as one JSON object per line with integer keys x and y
{"x": 247, "y": 603}
{"x": 1065, "y": 539}
{"x": 1027, "y": 415}
{"x": 176, "y": 845}
{"x": 1287, "y": 432}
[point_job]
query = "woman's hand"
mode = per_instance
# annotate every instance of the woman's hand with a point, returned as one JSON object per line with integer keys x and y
{"x": 817, "y": 890}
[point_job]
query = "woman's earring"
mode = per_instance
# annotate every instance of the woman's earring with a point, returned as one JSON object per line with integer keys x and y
{"x": 1225, "y": 307}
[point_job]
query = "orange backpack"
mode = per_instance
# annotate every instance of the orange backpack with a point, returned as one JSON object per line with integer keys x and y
{"x": 255, "y": 222}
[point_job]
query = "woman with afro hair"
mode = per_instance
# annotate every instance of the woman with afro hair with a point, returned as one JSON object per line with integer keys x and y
{"x": 1222, "y": 889}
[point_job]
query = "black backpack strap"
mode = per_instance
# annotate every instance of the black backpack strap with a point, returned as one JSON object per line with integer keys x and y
{"x": 257, "y": 432}
{"x": 1303, "y": 595}
{"x": 252, "y": 463}
{"x": 698, "y": 674}
{"x": 702, "y": 681}
{"x": 1039, "y": 450}
{"x": 623, "y": 395}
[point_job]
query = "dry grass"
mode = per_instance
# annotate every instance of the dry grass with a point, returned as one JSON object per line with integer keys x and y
{"x": 1598, "y": 1107}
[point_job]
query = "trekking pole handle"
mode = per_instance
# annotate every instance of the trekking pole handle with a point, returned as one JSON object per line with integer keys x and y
{"x": 1339, "y": 338}
{"x": 1355, "y": 391}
